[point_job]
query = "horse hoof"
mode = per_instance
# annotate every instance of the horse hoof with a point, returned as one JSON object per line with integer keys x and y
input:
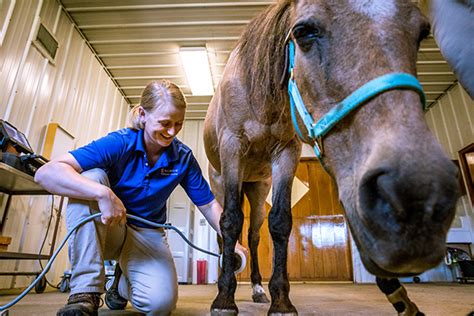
{"x": 283, "y": 311}
{"x": 260, "y": 298}
{"x": 223, "y": 312}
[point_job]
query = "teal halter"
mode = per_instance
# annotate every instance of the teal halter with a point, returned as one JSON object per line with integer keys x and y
{"x": 377, "y": 86}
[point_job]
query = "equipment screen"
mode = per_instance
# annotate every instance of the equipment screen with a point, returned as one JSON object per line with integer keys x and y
{"x": 17, "y": 136}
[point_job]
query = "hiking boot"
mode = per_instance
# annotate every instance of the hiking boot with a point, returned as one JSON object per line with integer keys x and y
{"x": 113, "y": 300}
{"x": 81, "y": 304}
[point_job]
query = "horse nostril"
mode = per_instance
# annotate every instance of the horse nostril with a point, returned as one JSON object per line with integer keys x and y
{"x": 378, "y": 195}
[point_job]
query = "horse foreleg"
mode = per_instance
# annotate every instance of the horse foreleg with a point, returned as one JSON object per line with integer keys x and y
{"x": 397, "y": 295}
{"x": 279, "y": 223}
{"x": 231, "y": 226}
{"x": 256, "y": 193}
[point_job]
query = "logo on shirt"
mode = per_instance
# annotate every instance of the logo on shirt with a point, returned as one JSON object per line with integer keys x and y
{"x": 169, "y": 172}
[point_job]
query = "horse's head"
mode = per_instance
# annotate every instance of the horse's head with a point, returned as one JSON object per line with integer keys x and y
{"x": 397, "y": 186}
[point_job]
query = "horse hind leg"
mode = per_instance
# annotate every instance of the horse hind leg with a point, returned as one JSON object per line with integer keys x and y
{"x": 397, "y": 295}
{"x": 256, "y": 193}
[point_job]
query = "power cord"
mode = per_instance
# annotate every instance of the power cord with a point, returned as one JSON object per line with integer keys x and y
{"x": 44, "y": 241}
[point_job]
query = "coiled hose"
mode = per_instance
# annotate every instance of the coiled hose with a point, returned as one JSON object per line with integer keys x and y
{"x": 239, "y": 255}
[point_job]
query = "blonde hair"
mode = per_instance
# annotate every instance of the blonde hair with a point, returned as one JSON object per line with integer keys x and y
{"x": 156, "y": 94}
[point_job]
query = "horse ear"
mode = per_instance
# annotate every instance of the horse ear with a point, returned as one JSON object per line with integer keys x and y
{"x": 286, "y": 74}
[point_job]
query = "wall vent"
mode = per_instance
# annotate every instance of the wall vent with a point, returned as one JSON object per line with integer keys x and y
{"x": 46, "y": 43}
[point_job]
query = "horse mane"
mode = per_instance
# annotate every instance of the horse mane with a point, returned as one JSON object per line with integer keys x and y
{"x": 262, "y": 54}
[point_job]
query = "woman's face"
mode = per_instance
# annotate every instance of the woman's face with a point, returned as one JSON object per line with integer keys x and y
{"x": 162, "y": 125}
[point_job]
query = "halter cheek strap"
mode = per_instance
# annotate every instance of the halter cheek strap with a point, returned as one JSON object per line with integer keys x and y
{"x": 373, "y": 88}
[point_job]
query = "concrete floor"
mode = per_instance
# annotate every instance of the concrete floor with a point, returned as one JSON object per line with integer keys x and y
{"x": 309, "y": 298}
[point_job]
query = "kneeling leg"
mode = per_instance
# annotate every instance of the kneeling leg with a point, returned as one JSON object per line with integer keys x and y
{"x": 149, "y": 279}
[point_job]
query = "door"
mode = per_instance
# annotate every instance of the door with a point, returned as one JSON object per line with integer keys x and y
{"x": 319, "y": 246}
{"x": 181, "y": 215}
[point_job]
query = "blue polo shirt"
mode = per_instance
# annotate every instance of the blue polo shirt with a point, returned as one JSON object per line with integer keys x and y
{"x": 144, "y": 189}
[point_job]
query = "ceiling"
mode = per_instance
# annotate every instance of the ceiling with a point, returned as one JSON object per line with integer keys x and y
{"x": 138, "y": 41}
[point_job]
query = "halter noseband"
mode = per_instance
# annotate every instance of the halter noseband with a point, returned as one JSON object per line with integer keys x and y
{"x": 377, "y": 86}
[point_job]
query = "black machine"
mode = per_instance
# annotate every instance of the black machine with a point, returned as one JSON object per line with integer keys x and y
{"x": 16, "y": 151}
{"x": 461, "y": 259}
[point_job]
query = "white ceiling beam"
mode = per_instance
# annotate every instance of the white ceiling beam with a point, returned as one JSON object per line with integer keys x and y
{"x": 170, "y": 6}
{"x": 434, "y": 92}
{"x": 436, "y": 83}
{"x": 436, "y": 73}
{"x": 196, "y": 111}
{"x": 186, "y": 95}
{"x": 166, "y": 40}
{"x": 142, "y": 66}
{"x": 189, "y": 103}
{"x": 141, "y": 88}
{"x": 132, "y": 87}
{"x": 163, "y": 24}
{"x": 427, "y": 50}
{"x": 173, "y": 52}
{"x": 431, "y": 62}
{"x": 146, "y": 77}
{"x": 220, "y": 51}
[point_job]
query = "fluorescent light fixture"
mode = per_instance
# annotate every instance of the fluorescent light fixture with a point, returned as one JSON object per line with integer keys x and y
{"x": 197, "y": 69}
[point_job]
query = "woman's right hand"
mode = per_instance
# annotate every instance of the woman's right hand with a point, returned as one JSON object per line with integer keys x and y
{"x": 73, "y": 185}
{"x": 112, "y": 209}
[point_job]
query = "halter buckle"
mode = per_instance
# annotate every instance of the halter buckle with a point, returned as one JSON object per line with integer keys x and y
{"x": 318, "y": 147}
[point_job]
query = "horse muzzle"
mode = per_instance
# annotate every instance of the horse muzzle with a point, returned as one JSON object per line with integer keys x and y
{"x": 403, "y": 215}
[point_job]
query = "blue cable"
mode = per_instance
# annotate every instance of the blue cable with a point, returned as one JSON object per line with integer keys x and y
{"x": 91, "y": 217}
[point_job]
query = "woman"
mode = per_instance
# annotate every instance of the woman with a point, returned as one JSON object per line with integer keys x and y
{"x": 134, "y": 171}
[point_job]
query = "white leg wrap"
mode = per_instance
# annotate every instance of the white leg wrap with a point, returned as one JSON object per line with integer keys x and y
{"x": 257, "y": 289}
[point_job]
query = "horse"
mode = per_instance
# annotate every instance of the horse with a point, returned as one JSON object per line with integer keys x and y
{"x": 339, "y": 75}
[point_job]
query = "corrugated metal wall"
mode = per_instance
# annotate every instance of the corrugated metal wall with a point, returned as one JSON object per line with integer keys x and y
{"x": 452, "y": 122}
{"x": 74, "y": 92}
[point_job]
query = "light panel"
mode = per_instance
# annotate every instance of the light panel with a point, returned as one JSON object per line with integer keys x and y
{"x": 198, "y": 71}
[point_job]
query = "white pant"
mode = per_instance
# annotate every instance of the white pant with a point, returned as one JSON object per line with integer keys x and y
{"x": 149, "y": 279}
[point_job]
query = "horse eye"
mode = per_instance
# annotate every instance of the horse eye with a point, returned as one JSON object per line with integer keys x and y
{"x": 305, "y": 35}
